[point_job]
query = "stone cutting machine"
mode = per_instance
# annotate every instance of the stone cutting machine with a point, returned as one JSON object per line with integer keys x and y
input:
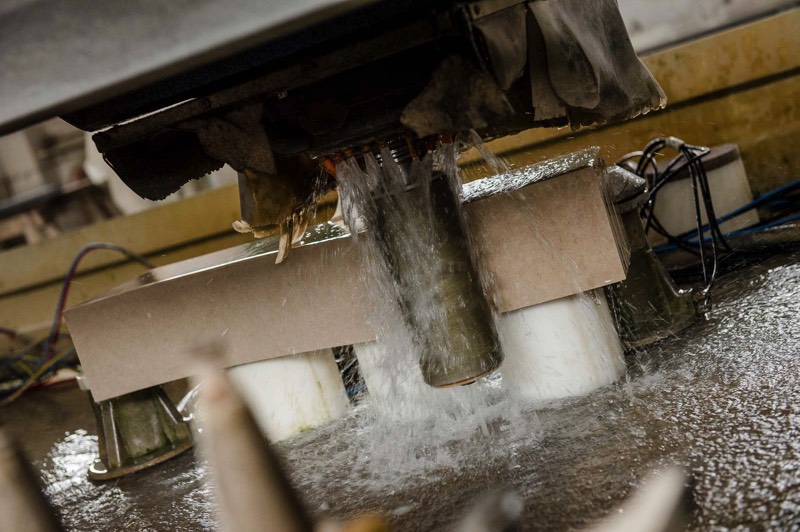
{"x": 283, "y": 92}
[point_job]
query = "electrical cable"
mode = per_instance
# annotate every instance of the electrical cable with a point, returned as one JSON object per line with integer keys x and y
{"x": 739, "y": 232}
{"x": 9, "y": 361}
{"x": 707, "y": 241}
{"x": 34, "y": 378}
{"x": 763, "y": 200}
{"x": 689, "y": 158}
{"x": 55, "y": 328}
{"x": 676, "y": 242}
{"x": 47, "y": 359}
{"x": 701, "y": 248}
{"x": 355, "y": 389}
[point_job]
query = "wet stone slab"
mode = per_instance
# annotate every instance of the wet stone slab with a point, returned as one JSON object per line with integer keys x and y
{"x": 723, "y": 400}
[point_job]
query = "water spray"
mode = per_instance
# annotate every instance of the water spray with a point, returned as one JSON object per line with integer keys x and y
{"x": 416, "y": 228}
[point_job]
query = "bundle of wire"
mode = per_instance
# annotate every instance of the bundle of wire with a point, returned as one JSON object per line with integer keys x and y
{"x": 689, "y": 157}
{"x": 38, "y": 360}
{"x": 713, "y": 241}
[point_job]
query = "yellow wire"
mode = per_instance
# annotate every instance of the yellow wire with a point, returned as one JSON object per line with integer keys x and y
{"x": 25, "y": 367}
{"x": 33, "y": 378}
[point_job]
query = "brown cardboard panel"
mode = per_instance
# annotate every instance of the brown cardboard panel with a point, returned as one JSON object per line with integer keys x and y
{"x": 260, "y": 310}
{"x": 539, "y": 241}
{"x": 547, "y": 240}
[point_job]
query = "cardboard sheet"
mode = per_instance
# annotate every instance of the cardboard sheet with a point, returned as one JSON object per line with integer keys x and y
{"x": 548, "y": 240}
{"x": 545, "y": 238}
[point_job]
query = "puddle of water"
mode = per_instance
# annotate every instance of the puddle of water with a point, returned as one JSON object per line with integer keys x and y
{"x": 723, "y": 400}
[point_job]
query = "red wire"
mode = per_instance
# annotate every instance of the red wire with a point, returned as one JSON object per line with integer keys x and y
{"x": 55, "y": 329}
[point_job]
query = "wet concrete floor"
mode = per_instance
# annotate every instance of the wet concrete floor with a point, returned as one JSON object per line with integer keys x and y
{"x": 722, "y": 400}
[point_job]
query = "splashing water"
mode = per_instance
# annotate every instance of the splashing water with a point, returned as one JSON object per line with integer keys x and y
{"x": 721, "y": 400}
{"x": 497, "y": 164}
{"x": 578, "y": 331}
{"x": 398, "y": 392}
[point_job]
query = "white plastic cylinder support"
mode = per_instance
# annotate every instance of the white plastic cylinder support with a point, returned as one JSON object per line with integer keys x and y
{"x": 561, "y": 348}
{"x": 290, "y": 394}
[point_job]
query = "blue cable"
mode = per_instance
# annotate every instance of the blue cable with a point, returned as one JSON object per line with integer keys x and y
{"x": 352, "y": 391}
{"x": 768, "y": 225}
{"x": 746, "y": 231}
{"x": 761, "y": 200}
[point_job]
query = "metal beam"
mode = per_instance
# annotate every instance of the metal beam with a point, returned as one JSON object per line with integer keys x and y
{"x": 57, "y": 57}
